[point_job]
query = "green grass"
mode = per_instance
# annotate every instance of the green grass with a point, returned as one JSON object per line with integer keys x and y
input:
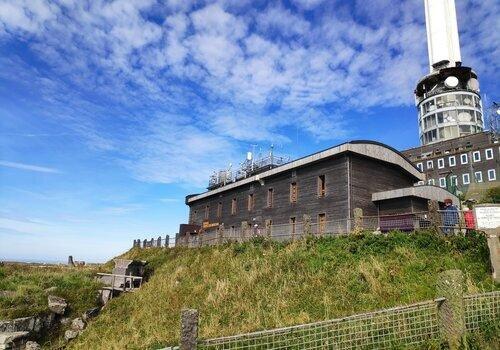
{"x": 29, "y": 284}
{"x": 260, "y": 285}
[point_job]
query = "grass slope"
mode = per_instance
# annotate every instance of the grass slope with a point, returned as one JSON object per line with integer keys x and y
{"x": 260, "y": 285}
{"x": 27, "y": 286}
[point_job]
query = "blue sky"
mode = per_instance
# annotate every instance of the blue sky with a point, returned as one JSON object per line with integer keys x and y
{"x": 112, "y": 111}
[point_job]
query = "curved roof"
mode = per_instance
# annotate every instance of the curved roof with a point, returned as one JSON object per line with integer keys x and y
{"x": 371, "y": 149}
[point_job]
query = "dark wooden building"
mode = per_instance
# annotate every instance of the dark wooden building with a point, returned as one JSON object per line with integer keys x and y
{"x": 325, "y": 186}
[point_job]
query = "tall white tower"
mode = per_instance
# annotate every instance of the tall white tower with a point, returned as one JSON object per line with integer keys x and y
{"x": 448, "y": 98}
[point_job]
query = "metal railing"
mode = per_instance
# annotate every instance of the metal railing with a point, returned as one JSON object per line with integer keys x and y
{"x": 480, "y": 309}
{"x": 124, "y": 283}
{"x": 448, "y": 222}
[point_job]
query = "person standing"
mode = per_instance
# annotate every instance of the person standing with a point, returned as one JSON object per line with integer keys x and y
{"x": 450, "y": 217}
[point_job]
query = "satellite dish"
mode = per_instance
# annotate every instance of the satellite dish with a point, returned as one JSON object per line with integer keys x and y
{"x": 451, "y": 82}
{"x": 473, "y": 84}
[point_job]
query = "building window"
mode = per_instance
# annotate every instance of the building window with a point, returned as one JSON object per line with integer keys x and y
{"x": 476, "y": 156}
{"x": 207, "y": 212}
{"x": 420, "y": 166}
{"x": 478, "y": 176}
{"x": 430, "y": 182}
{"x": 234, "y": 206}
{"x": 219, "y": 210}
{"x": 442, "y": 182}
{"x": 464, "y": 159}
{"x": 489, "y": 153}
{"x": 321, "y": 186}
{"x": 441, "y": 163}
{"x": 293, "y": 192}
{"x": 250, "y": 202}
{"x": 454, "y": 180}
{"x": 430, "y": 164}
{"x": 492, "y": 176}
{"x": 270, "y": 197}
{"x": 321, "y": 223}
{"x": 293, "y": 221}
{"x": 452, "y": 161}
{"x": 465, "y": 179}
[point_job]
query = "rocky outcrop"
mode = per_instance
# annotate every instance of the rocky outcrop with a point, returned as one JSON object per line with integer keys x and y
{"x": 28, "y": 324}
{"x": 13, "y": 340}
{"x": 57, "y": 305}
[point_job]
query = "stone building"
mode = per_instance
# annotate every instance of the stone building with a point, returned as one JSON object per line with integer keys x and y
{"x": 325, "y": 186}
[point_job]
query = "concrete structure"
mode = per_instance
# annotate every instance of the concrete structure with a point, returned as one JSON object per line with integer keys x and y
{"x": 468, "y": 164}
{"x": 448, "y": 100}
{"x": 325, "y": 186}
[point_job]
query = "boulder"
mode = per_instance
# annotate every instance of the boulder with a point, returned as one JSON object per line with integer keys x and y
{"x": 70, "y": 334}
{"x": 32, "y": 345}
{"x": 90, "y": 313}
{"x": 77, "y": 324}
{"x": 10, "y": 340}
{"x": 57, "y": 305}
{"x": 104, "y": 296}
{"x": 23, "y": 324}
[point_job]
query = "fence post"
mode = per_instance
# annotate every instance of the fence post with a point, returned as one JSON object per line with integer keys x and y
{"x": 158, "y": 242}
{"x": 451, "y": 311}
{"x": 167, "y": 241}
{"x": 221, "y": 234}
{"x": 358, "y": 220}
{"x": 434, "y": 215}
{"x": 307, "y": 225}
{"x": 189, "y": 329}
{"x": 244, "y": 229}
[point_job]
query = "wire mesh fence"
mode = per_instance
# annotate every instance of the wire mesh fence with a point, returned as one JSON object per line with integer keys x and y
{"x": 481, "y": 309}
{"x": 382, "y": 329}
{"x": 404, "y": 326}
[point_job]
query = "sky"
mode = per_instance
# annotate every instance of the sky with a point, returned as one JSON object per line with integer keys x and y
{"x": 111, "y": 112}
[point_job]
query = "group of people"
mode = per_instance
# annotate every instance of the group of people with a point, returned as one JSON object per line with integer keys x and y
{"x": 451, "y": 217}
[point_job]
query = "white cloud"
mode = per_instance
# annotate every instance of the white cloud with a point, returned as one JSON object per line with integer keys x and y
{"x": 28, "y": 167}
{"x": 164, "y": 84}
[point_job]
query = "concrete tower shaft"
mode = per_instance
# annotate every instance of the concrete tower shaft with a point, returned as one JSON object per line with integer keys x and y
{"x": 442, "y": 34}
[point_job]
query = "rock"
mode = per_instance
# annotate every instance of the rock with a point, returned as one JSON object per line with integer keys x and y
{"x": 90, "y": 313}
{"x": 32, "y": 345}
{"x": 65, "y": 321}
{"x": 23, "y": 324}
{"x": 70, "y": 334}
{"x": 50, "y": 290}
{"x": 7, "y": 293}
{"x": 77, "y": 324}
{"x": 104, "y": 296}
{"x": 57, "y": 305}
{"x": 13, "y": 340}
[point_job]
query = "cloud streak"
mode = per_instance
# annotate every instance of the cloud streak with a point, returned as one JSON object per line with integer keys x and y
{"x": 29, "y": 167}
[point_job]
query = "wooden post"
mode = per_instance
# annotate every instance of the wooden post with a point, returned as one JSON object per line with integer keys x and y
{"x": 189, "y": 329}
{"x": 358, "y": 220}
{"x": 167, "y": 241}
{"x": 450, "y": 286}
{"x": 307, "y": 225}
